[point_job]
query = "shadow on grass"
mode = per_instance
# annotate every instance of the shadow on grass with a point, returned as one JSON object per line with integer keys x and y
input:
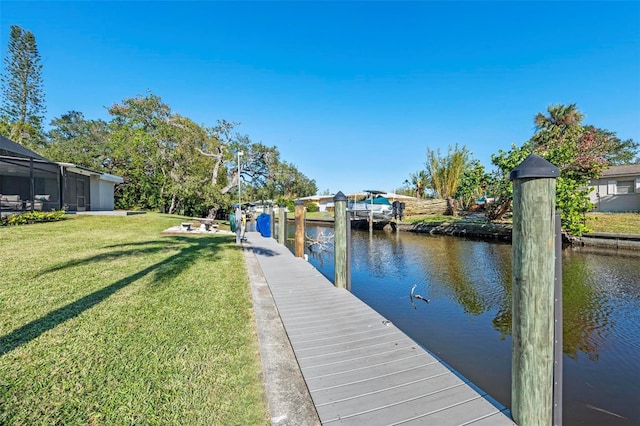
{"x": 188, "y": 250}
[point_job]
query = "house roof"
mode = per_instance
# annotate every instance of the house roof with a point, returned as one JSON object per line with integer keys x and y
{"x": 627, "y": 169}
{"x": 90, "y": 172}
{"x": 10, "y": 148}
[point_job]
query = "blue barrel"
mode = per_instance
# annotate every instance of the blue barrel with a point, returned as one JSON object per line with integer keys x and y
{"x": 263, "y": 225}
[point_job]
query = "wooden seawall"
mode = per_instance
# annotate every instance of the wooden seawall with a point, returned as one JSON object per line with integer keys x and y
{"x": 358, "y": 367}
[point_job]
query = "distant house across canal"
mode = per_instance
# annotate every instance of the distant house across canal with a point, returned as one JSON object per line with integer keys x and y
{"x": 617, "y": 189}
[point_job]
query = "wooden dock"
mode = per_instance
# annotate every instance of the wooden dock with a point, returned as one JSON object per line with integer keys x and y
{"x": 359, "y": 368}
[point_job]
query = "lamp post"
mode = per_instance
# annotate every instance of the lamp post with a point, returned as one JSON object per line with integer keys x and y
{"x": 239, "y": 209}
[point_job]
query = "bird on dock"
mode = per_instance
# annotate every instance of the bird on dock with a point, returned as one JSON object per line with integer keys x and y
{"x": 417, "y": 296}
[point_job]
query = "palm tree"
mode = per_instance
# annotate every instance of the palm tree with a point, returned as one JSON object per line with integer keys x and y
{"x": 562, "y": 125}
{"x": 559, "y": 115}
{"x": 418, "y": 181}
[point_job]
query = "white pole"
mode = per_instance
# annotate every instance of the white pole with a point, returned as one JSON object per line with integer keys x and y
{"x": 239, "y": 209}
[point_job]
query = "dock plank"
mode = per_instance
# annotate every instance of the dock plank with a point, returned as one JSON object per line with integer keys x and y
{"x": 359, "y": 368}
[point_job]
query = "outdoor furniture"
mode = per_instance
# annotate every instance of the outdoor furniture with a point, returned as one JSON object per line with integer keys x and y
{"x": 208, "y": 223}
{"x": 38, "y": 202}
{"x": 10, "y": 202}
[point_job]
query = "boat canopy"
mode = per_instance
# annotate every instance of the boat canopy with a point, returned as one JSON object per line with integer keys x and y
{"x": 380, "y": 200}
{"x": 376, "y": 197}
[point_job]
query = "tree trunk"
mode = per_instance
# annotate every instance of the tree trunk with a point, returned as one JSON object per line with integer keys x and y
{"x": 498, "y": 212}
{"x": 172, "y": 207}
{"x": 452, "y": 208}
{"x": 213, "y": 211}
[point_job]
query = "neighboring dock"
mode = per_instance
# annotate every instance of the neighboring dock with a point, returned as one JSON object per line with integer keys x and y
{"x": 358, "y": 367}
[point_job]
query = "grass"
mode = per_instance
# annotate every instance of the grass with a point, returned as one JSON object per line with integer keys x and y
{"x": 621, "y": 223}
{"x": 105, "y": 321}
{"x": 319, "y": 215}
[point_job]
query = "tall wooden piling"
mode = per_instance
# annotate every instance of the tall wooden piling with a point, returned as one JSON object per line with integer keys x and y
{"x": 272, "y": 221}
{"x": 299, "y": 217}
{"x": 533, "y": 246}
{"x": 282, "y": 224}
{"x": 341, "y": 242}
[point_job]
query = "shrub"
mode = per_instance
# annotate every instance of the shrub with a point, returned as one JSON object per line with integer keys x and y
{"x": 311, "y": 206}
{"x": 32, "y": 217}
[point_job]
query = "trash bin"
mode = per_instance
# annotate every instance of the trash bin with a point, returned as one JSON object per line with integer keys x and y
{"x": 232, "y": 222}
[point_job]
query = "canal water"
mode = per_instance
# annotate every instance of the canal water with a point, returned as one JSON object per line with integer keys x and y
{"x": 467, "y": 321}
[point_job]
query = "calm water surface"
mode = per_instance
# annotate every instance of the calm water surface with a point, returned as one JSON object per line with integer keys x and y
{"x": 468, "y": 320}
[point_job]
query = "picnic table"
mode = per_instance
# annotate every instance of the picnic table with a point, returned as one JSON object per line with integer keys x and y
{"x": 207, "y": 222}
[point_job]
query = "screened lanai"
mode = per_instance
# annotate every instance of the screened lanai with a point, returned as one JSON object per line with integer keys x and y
{"x": 28, "y": 181}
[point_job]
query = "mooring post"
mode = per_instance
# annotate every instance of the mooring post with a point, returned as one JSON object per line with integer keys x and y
{"x": 341, "y": 242}
{"x": 534, "y": 188}
{"x": 282, "y": 224}
{"x": 299, "y": 216}
{"x": 272, "y": 221}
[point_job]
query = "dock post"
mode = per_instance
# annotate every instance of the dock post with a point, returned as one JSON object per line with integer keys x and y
{"x": 272, "y": 221}
{"x": 282, "y": 225}
{"x": 534, "y": 188}
{"x": 299, "y": 216}
{"x": 341, "y": 242}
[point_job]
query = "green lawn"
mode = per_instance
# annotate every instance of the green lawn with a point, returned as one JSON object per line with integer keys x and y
{"x": 621, "y": 223}
{"x": 105, "y": 321}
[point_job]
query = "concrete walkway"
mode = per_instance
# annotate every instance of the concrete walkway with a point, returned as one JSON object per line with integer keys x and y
{"x": 328, "y": 358}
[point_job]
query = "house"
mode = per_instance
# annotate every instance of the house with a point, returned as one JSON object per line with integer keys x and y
{"x": 29, "y": 182}
{"x": 617, "y": 189}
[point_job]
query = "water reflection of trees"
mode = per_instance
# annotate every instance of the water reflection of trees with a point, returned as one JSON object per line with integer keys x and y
{"x": 477, "y": 276}
{"x": 470, "y": 273}
{"x": 586, "y": 315}
{"x": 587, "y": 320}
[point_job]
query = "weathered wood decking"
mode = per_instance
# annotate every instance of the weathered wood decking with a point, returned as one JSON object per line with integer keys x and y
{"x": 358, "y": 367}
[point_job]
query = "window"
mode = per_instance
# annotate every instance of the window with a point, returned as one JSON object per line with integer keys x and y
{"x": 625, "y": 186}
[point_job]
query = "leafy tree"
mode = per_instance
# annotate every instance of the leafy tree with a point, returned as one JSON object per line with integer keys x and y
{"x": 444, "y": 173}
{"x": 472, "y": 184}
{"x": 286, "y": 180}
{"x": 580, "y": 152}
{"x": 23, "y": 96}
{"x": 499, "y": 184}
{"x": 263, "y": 174}
{"x": 77, "y": 140}
{"x": 135, "y": 142}
{"x": 168, "y": 162}
{"x": 620, "y": 151}
{"x": 158, "y": 153}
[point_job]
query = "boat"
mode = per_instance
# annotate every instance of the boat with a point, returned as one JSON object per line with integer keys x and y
{"x": 373, "y": 207}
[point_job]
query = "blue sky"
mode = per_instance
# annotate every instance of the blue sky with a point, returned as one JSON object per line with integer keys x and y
{"x": 352, "y": 93}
